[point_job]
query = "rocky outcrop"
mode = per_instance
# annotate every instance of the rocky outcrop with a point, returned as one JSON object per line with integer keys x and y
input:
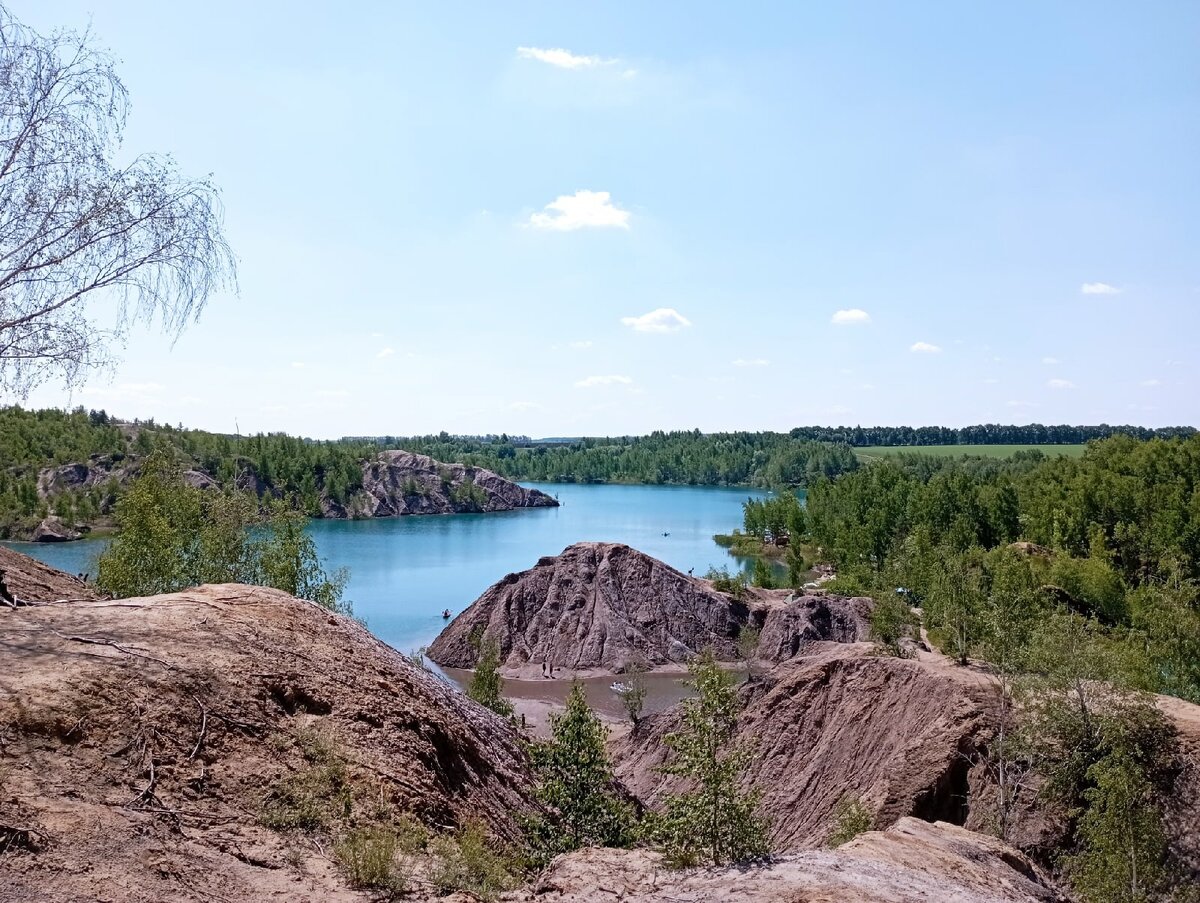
{"x": 143, "y": 743}
{"x": 198, "y": 479}
{"x": 31, "y": 581}
{"x": 595, "y": 606}
{"x": 398, "y": 483}
{"x": 789, "y": 629}
{"x": 911, "y": 862}
{"x": 899, "y": 735}
{"x": 97, "y": 471}
{"x": 52, "y": 529}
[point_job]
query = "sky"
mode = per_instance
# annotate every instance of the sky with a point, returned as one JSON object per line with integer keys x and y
{"x": 558, "y": 219}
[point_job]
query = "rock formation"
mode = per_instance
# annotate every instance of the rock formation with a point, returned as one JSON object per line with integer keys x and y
{"x": 791, "y": 627}
{"x": 601, "y": 606}
{"x": 141, "y": 742}
{"x": 595, "y": 606}
{"x": 399, "y": 482}
{"x": 52, "y": 529}
{"x": 911, "y": 862}
{"x": 899, "y": 735}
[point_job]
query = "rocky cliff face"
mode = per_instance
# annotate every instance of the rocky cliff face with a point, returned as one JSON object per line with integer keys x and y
{"x": 142, "y": 744}
{"x": 790, "y": 627}
{"x": 595, "y": 606}
{"x": 398, "y": 483}
{"x": 911, "y": 862}
{"x": 898, "y": 734}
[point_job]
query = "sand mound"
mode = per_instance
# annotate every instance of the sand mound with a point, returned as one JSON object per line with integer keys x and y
{"x": 144, "y": 743}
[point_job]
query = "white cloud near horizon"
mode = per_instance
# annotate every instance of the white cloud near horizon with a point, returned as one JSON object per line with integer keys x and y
{"x": 582, "y": 210}
{"x": 1099, "y": 288}
{"x": 1060, "y": 384}
{"x": 924, "y": 348}
{"x": 584, "y": 344}
{"x": 560, "y": 58}
{"x": 852, "y": 317}
{"x": 386, "y": 352}
{"x": 753, "y": 362}
{"x": 1150, "y": 383}
{"x": 662, "y": 319}
{"x": 1051, "y": 361}
{"x": 524, "y": 406}
{"x": 592, "y": 382}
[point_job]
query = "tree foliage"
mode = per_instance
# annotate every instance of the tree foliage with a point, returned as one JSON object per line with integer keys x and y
{"x": 486, "y": 683}
{"x": 715, "y": 821}
{"x": 78, "y": 224}
{"x": 174, "y": 536}
{"x": 576, "y": 783}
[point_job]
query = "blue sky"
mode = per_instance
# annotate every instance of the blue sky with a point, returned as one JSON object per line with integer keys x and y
{"x": 564, "y": 219}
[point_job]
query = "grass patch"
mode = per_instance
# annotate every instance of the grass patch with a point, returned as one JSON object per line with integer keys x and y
{"x": 467, "y": 861}
{"x": 314, "y": 796}
{"x": 870, "y": 452}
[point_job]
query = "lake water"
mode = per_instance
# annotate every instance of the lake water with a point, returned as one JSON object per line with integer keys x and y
{"x": 404, "y": 571}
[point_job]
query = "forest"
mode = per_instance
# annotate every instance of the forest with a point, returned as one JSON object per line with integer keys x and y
{"x": 1072, "y": 586}
{"x": 303, "y": 471}
{"x": 982, "y": 434}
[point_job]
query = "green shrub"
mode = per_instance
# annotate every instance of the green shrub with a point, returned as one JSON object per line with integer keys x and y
{"x": 368, "y": 856}
{"x": 467, "y": 861}
{"x": 850, "y": 818}
{"x": 724, "y": 582}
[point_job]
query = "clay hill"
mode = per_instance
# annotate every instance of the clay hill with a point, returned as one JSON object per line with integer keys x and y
{"x": 912, "y": 862}
{"x": 149, "y": 748}
{"x": 906, "y": 737}
{"x": 899, "y": 734}
{"x": 601, "y": 606}
{"x": 31, "y": 581}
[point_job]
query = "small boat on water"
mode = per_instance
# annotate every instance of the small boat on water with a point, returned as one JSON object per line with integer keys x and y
{"x": 446, "y": 615}
{"x": 619, "y": 688}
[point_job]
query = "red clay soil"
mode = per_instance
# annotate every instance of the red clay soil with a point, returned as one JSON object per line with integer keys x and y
{"x": 141, "y": 739}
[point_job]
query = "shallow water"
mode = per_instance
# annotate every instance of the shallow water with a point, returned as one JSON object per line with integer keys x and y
{"x": 404, "y": 571}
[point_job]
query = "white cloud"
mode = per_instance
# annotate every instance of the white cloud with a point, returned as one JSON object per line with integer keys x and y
{"x": 991, "y": 381}
{"x": 386, "y": 352}
{"x": 851, "y": 317}
{"x": 663, "y": 319}
{"x": 1059, "y": 384}
{"x": 1051, "y": 361}
{"x": 1021, "y": 404}
{"x": 332, "y": 393}
{"x": 562, "y": 59}
{"x": 1150, "y": 383}
{"x": 924, "y": 348}
{"x": 377, "y": 335}
{"x": 582, "y": 210}
{"x": 583, "y": 344}
{"x": 297, "y": 365}
{"x": 753, "y": 362}
{"x": 1099, "y": 288}
{"x": 592, "y": 381}
{"x": 525, "y": 406}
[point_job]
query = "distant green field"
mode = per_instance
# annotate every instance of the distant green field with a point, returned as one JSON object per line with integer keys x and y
{"x": 954, "y": 451}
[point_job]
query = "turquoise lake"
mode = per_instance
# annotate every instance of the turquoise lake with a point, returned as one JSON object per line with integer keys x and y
{"x": 404, "y": 571}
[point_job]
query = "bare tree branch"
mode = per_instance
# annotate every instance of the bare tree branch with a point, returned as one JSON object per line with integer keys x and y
{"x": 80, "y": 234}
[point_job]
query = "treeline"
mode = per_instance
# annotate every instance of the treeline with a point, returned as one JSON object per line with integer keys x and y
{"x": 983, "y": 434}
{"x": 1077, "y": 583}
{"x": 685, "y": 457}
